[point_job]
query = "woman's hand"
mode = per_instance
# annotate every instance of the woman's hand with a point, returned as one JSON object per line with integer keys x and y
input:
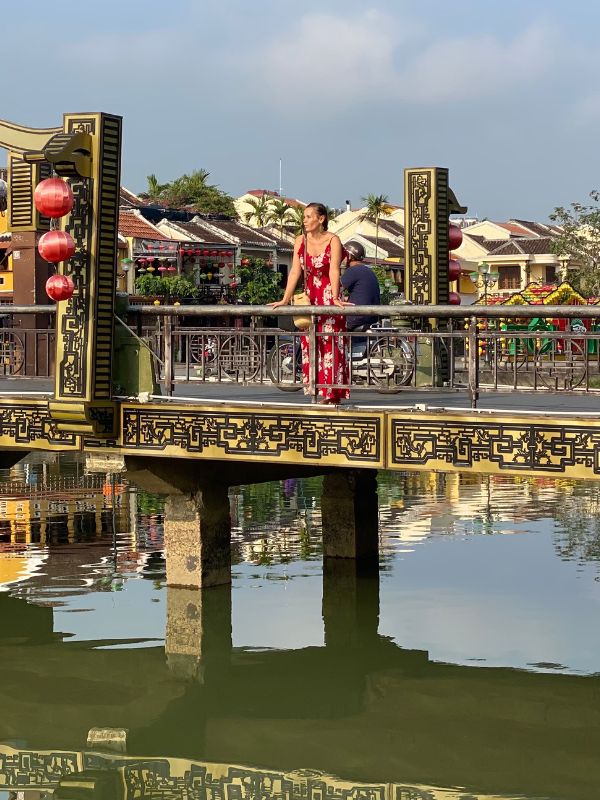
{"x": 279, "y": 303}
{"x": 342, "y": 303}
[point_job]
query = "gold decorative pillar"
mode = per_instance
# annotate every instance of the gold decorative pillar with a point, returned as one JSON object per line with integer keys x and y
{"x": 428, "y": 203}
{"x": 88, "y": 153}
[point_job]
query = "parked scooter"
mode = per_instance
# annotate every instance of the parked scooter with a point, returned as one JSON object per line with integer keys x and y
{"x": 382, "y": 359}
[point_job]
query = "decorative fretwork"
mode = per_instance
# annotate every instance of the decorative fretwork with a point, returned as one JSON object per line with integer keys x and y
{"x": 298, "y": 436}
{"x": 29, "y": 425}
{"x": 495, "y": 445}
{"x": 426, "y": 209}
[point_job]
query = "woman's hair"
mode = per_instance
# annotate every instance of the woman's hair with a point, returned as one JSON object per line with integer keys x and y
{"x": 321, "y": 212}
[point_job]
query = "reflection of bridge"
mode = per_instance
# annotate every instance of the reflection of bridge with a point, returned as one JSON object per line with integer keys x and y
{"x": 193, "y": 451}
{"x": 360, "y": 708}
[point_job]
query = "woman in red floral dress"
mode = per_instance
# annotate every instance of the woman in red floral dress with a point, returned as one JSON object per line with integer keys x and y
{"x": 321, "y": 267}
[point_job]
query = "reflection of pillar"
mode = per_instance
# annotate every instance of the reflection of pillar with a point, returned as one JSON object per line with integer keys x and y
{"x": 350, "y": 602}
{"x": 198, "y": 633}
{"x": 350, "y": 514}
{"x": 197, "y": 537}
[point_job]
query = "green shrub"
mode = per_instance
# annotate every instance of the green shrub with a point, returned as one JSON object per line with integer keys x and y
{"x": 258, "y": 283}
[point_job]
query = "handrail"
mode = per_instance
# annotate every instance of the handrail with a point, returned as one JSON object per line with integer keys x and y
{"x": 9, "y": 308}
{"x": 408, "y": 311}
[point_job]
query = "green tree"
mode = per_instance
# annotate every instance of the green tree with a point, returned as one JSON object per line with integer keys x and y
{"x": 579, "y": 241}
{"x": 258, "y": 283}
{"x": 192, "y": 191}
{"x": 377, "y": 206}
{"x": 154, "y": 190}
{"x": 260, "y": 209}
{"x": 279, "y": 214}
{"x": 296, "y": 218}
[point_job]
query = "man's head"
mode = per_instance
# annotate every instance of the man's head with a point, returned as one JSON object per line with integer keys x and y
{"x": 355, "y": 251}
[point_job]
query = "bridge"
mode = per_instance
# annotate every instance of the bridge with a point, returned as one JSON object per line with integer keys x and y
{"x": 183, "y": 408}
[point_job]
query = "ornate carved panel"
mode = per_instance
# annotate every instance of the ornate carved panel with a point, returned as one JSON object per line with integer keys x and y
{"x": 426, "y": 208}
{"x": 494, "y": 443}
{"x": 287, "y": 436}
{"x": 85, "y": 322}
{"x": 29, "y": 425}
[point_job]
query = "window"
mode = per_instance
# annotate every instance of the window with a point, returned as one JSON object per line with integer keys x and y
{"x": 551, "y": 275}
{"x": 509, "y": 277}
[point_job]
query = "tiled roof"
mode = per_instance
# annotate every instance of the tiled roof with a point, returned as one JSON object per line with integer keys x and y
{"x": 128, "y": 199}
{"x": 487, "y": 244}
{"x": 199, "y": 233}
{"x": 291, "y": 201}
{"x": 524, "y": 246}
{"x": 281, "y": 244}
{"x": 244, "y": 234}
{"x": 391, "y": 227}
{"x": 131, "y": 223}
{"x": 537, "y": 228}
{"x": 261, "y": 192}
{"x": 513, "y": 228}
{"x": 391, "y": 248}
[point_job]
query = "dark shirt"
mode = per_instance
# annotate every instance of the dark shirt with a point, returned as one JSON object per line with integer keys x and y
{"x": 363, "y": 290}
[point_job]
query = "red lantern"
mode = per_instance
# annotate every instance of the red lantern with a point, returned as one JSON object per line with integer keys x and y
{"x": 56, "y": 246}
{"x": 453, "y": 269}
{"x": 454, "y": 299}
{"x": 455, "y": 237}
{"x": 59, "y": 287}
{"x": 205, "y": 252}
{"x": 244, "y": 262}
{"x": 197, "y": 252}
{"x": 53, "y": 197}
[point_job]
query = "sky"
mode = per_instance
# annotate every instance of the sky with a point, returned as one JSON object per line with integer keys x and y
{"x": 346, "y": 93}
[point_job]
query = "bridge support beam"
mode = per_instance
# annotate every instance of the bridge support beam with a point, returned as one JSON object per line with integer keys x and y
{"x": 350, "y": 514}
{"x": 197, "y": 537}
{"x": 198, "y": 631}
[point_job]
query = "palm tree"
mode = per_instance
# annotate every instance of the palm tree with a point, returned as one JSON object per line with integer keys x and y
{"x": 279, "y": 213}
{"x": 259, "y": 210}
{"x": 155, "y": 189}
{"x": 296, "y": 218}
{"x": 377, "y": 206}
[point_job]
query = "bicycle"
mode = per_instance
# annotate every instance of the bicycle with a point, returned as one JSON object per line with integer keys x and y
{"x": 237, "y": 357}
{"x": 387, "y": 362}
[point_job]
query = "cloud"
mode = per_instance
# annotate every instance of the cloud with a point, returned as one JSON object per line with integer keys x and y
{"x": 327, "y": 62}
{"x": 338, "y": 62}
{"x": 480, "y": 66}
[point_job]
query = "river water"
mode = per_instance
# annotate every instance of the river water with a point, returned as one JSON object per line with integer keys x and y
{"x": 468, "y": 668}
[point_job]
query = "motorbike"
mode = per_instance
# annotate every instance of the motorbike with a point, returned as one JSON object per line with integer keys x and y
{"x": 382, "y": 358}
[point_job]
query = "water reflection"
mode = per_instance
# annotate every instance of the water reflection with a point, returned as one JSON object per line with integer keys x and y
{"x": 470, "y": 665}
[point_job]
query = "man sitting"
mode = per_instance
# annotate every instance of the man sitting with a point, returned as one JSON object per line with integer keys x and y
{"x": 362, "y": 286}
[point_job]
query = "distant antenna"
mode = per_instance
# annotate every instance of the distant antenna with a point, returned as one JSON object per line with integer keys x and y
{"x": 280, "y": 189}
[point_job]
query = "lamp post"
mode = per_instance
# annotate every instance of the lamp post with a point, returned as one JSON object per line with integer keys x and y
{"x": 484, "y": 279}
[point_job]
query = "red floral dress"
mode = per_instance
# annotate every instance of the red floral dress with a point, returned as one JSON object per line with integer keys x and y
{"x": 332, "y": 364}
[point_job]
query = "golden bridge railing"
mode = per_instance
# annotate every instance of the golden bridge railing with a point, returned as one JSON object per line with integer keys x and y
{"x": 438, "y": 348}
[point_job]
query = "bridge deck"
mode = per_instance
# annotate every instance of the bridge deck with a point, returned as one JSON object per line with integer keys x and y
{"x": 512, "y": 402}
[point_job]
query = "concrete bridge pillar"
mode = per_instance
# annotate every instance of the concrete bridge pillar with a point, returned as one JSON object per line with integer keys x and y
{"x": 198, "y": 631}
{"x": 350, "y": 514}
{"x": 197, "y": 537}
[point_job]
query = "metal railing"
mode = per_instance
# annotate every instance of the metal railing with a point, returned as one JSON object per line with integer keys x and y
{"x": 473, "y": 348}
